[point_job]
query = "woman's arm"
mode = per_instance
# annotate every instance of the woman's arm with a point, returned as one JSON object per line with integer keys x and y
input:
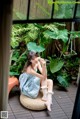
{"x": 44, "y": 69}
{"x": 39, "y": 67}
{"x": 31, "y": 71}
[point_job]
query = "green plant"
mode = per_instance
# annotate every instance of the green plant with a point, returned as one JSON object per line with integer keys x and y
{"x": 17, "y": 62}
{"x": 25, "y": 32}
{"x": 19, "y": 57}
{"x": 56, "y": 66}
{"x": 57, "y": 34}
{"x": 67, "y": 49}
{"x": 71, "y": 66}
{"x": 61, "y": 37}
{"x": 37, "y": 37}
{"x": 41, "y": 34}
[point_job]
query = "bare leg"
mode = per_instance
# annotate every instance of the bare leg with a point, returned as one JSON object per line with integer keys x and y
{"x": 47, "y": 83}
{"x": 50, "y": 85}
{"x": 49, "y": 94}
{"x": 44, "y": 82}
{"x": 44, "y": 89}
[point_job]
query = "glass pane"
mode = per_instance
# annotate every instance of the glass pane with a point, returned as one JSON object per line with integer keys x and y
{"x": 64, "y": 9}
{"x": 78, "y": 11}
{"x": 20, "y": 9}
{"x": 40, "y": 9}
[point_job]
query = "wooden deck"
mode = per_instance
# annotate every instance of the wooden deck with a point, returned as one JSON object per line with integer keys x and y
{"x": 62, "y": 108}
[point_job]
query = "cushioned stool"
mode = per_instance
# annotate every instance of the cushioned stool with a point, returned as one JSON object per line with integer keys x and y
{"x": 33, "y": 104}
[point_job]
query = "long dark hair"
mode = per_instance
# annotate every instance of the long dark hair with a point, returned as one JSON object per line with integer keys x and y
{"x": 30, "y": 56}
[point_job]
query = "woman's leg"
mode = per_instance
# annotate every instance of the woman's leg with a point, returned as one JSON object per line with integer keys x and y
{"x": 50, "y": 85}
{"x": 44, "y": 89}
{"x": 43, "y": 82}
{"x": 50, "y": 88}
{"x": 47, "y": 87}
{"x": 49, "y": 94}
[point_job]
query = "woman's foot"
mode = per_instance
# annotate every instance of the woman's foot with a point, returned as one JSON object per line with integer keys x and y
{"x": 48, "y": 105}
{"x": 49, "y": 100}
{"x": 44, "y": 98}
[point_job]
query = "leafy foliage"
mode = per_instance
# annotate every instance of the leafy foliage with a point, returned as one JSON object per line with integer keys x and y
{"x": 37, "y": 37}
{"x": 17, "y": 62}
{"x": 57, "y": 34}
{"x": 56, "y": 66}
{"x": 26, "y": 33}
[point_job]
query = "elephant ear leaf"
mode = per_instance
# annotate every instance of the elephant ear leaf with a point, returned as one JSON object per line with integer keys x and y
{"x": 62, "y": 81}
{"x": 33, "y": 47}
{"x": 56, "y": 65}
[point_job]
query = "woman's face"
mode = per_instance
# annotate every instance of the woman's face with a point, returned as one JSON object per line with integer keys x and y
{"x": 34, "y": 60}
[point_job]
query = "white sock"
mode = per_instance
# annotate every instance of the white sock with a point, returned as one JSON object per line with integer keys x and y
{"x": 44, "y": 91}
{"x": 49, "y": 100}
{"x": 50, "y": 93}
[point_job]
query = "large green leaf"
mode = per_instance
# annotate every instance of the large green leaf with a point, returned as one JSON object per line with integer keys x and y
{"x": 50, "y": 34}
{"x": 62, "y": 81}
{"x": 63, "y": 35}
{"x": 57, "y": 34}
{"x": 56, "y": 65}
{"x": 33, "y": 47}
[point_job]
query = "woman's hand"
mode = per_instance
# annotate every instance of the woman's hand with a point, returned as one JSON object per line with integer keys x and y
{"x": 42, "y": 61}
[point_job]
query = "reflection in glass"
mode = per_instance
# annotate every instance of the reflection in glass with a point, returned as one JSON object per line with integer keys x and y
{"x": 40, "y": 9}
{"x": 78, "y": 11}
{"x": 20, "y": 9}
{"x": 64, "y": 9}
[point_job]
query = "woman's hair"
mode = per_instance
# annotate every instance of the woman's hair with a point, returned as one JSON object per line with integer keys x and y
{"x": 30, "y": 56}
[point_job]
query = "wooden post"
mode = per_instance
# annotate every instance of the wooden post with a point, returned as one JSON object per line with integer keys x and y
{"x": 6, "y": 7}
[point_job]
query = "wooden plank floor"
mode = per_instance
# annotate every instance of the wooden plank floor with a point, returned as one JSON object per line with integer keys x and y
{"x": 63, "y": 103}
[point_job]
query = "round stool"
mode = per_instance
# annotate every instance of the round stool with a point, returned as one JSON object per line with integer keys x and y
{"x": 33, "y": 104}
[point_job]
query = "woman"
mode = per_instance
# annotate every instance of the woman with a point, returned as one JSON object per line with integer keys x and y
{"x": 31, "y": 81}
